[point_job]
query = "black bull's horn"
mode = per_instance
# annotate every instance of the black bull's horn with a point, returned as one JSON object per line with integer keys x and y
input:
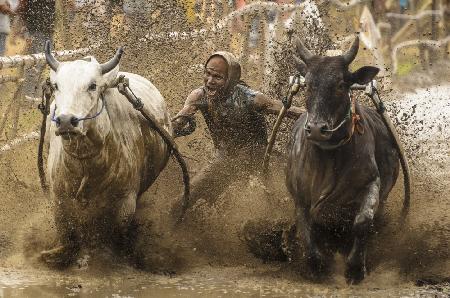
{"x": 105, "y": 67}
{"x": 303, "y": 51}
{"x": 306, "y": 54}
{"x": 351, "y": 54}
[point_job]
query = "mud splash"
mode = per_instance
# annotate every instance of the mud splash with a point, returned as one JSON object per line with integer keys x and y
{"x": 209, "y": 254}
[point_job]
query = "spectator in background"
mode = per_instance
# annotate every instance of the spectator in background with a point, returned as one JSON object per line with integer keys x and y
{"x": 6, "y": 11}
{"x": 403, "y": 5}
{"x": 38, "y": 17}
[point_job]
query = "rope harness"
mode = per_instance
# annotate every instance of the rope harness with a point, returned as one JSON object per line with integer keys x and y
{"x": 123, "y": 86}
{"x": 350, "y": 115}
{"x": 76, "y": 120}
{"x": 371, "y": 91}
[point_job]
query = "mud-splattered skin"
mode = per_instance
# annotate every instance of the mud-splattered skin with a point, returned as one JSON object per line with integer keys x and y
{"x": 337, "y": 186}
{"x": 98, "y": 171}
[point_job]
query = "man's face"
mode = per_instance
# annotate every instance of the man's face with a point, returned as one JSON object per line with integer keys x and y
{"x": 215, "y": 76}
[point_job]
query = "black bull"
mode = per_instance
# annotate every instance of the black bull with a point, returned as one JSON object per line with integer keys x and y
{"x": 343, "y": 162}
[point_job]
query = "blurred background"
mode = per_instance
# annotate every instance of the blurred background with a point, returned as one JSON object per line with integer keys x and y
{"x": 168, "y": 41}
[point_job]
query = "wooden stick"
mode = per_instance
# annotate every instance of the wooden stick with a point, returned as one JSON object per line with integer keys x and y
{"x": 36, "y": 59}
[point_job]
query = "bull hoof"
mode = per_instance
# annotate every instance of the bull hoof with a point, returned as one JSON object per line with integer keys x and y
{"x": 354, "y": 274}
{"x": 319, "y": 265}
{"x": 59, "y": 257}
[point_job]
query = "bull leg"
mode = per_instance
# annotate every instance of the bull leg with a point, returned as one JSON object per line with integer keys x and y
{"x": 208, "y": 184}
{"x": 125, "y": 218}
{"x": 66, "y": 250}
{"x": 356, "y": 260}
{"x": 126, "y": 211}
{"x": 318, "y": 263}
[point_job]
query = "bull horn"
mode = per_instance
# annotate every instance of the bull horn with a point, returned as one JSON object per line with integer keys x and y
{"x": 51, "y": 60}
{"x": 303, "y": 52}
{"x": 351, "y": 54}
{"x": 108, "y": 66}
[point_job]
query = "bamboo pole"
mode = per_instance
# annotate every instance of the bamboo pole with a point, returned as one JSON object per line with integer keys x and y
{"x": 427, "y": 42}
{"x": 8, "y": 79}
{"x": 409, "y": 24}
{"x": 8, "y": 110}
{"x": 37, "y": 59}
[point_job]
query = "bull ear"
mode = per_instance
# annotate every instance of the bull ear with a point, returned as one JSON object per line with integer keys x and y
{"x": 364, "y": 75}
{"x": 300, "y": 65}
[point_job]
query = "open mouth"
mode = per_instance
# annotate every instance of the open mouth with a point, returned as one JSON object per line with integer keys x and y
{"x": 211, "y": 91}
{"x": 68, "y": 134}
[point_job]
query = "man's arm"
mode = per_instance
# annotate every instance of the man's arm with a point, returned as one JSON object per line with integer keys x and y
{"x": 187, "y": 113}
{"x": 271, "y": 106}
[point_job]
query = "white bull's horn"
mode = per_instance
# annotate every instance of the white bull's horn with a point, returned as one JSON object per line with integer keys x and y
{"x": 51, "y": 61}
{"x": 351, "y": 54}
{"x": 108, "y": 66}
{"x": 302, "y": 51}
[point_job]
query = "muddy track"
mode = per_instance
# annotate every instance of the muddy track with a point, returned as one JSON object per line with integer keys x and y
{"x": 208, "y": 254}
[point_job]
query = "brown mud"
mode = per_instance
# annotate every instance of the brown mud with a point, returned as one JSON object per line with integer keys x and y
{"x": 212, "y": 253}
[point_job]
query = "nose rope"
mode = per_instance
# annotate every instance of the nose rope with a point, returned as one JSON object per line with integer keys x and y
{"x": 351, "y": 114}
{"x": 83, "y": 118}
{"x": 347, "y": 117}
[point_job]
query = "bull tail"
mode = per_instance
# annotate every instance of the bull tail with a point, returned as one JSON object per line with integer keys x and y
{"x": 404, "y": 164}
{"x": 374, "y": 96}
{"x": 406, "y": 181}
{"x": 186, "y": 181}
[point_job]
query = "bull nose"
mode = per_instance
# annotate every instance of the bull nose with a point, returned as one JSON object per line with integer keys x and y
{"x": 66, "y": 122}
{"x": 318, "y": 131}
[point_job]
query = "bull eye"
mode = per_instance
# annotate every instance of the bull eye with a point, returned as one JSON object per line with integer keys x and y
{"x": 92, "y": 87}
{"x": 55, "y": 86}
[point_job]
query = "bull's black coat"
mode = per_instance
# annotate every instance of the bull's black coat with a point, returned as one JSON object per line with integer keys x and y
{"x": 338, "y": 183}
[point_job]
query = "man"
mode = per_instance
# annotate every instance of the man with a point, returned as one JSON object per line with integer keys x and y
{"x": 234, "y": 114}
{"x": 5, "y": 23}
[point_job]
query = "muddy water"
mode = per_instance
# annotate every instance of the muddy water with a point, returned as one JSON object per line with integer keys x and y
{"x": 201, "y": 282}
{"x": 207, "y": 256}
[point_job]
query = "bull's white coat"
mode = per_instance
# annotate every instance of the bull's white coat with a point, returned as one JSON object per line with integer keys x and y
{"x": 97, "y": 177}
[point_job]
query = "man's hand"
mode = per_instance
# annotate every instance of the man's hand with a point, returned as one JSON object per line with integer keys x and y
{"x": 183, "y": 125}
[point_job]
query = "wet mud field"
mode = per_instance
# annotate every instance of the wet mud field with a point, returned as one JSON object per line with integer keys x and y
{"x": 209, "y": 255}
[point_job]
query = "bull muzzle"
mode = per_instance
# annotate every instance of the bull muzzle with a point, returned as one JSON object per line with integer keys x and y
{"x": 318, "y": 131}
{"x": 67, "y": 125}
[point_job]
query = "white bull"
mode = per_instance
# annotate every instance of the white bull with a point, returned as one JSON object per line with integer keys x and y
{"x": 102, "y": 154}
